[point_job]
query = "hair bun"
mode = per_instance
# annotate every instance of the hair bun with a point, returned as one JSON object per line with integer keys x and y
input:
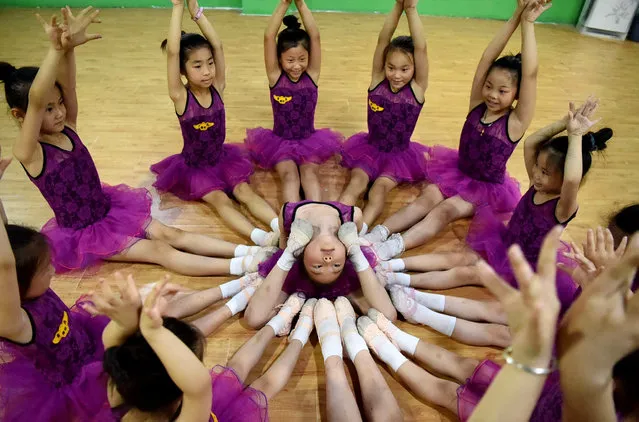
{"x": 291, "y": 22}
{"x": 597, "y": 141}
{"x": 6, "y": 70}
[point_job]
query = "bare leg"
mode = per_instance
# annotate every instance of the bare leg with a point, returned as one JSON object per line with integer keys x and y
{"x": 377, "y": 199}
{"x": 255, "y": 203}
{"x": 277, "y": 376}
{"x": 412, "y": 213}
{"x": 475, "y": 310}
{"x": 449, "y": 279}
{"x": 287, "y": 170}
{"x": 340, "y": 401}
{"x": 195, "y": 243}
{"x": 446, "y": 212}
{"x": 355, "y": 188}
{"x": 192, "y": 303}
{"x": 229, "y": 213}
{"x": 250, "y": 353}
{"x": 257, "y": 313}
{"x": 310, "y": 182}
{"x": 213, "y": 320}
{"x": 379, "y": 402}
{"x": 161, "y": 253}
{"x": 439, "y": 261}
{"x": 428, "y": 387}
{"x": 481, "y": 334}
{"x": 444, "y": 362}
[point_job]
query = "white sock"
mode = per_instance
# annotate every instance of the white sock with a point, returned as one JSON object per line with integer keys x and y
{"x": 239, "y": 301}
{"x": 236, "y": 267}
{"x": 231, "y": 288}
{"x": 241, "y": 250}
{"x": 329, "y": 337}
{"x": 286, "y": 260}
{"x": 387, "y": 352}
{"x": 279, "y": 321}
{"x": 432, "y": 301}
{"x": 401, "y": 279}
{"x": 258, "y": 236}
{"x": 445, "y": 324}
{"x": 303, "y": 329}
{"x": 353, "y": 341}
{"x": 364, "y": 229}
{"x": 275, "y": 225}
{"x": 396, "y": 264}
{"x": 357, "y": 257}
{"x": 406, "y": 342}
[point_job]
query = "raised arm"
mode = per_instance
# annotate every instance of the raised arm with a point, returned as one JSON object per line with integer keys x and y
{"x": 525, "y": 110}
{"x": 534, "y": 141}
{"x": 315, "y": 56}
{"x": 177, "y": 92}
{"x": 26, "y": 147}
{"x": 384, "y": 38}
{"x": 184, "y": 368}
{"x": 271, "y": 61}
{"x": 218, "y": 50}
{"x": 492, "y": 52}
{"x": 419, "y": 40}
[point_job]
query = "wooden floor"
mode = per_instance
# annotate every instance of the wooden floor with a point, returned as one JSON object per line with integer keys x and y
{"x": 127, "y": 121}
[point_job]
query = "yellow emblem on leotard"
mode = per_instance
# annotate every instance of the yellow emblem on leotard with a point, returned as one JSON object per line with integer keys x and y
{"x": 213, "y": 417}
{"x": 281, "y": 99}
{"x": 204, "y": 126}
{"x": 63, "y": 329}
{"x": 375, "y": 107}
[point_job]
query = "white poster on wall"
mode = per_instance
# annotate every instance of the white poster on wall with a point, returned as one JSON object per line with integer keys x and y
{"x": 611, "y": 15}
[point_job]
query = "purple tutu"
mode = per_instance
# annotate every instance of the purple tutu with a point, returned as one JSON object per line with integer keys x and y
{"x": 298, "y": 280}
{"x": 267, "y": 149}
{"x": 405, "y": 166}
{"x": 232, "y": 401}
{"x": 192, "y": 183}
{"x": 123, "y": 225}
{"x": 443, "y": 170}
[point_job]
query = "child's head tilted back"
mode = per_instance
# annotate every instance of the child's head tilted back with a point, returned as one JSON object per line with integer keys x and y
{"x": 399, "y": 61}
{"x": 293, "y": 48}
{"x": 196, "y": 59}
{"x": 324, "y": 258}
{"x": 17, "y": 83}
{"x": 33, "y": 260}
{"x": 138, "y": 373}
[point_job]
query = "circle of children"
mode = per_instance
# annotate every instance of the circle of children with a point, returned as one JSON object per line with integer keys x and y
{"x": 128, "y": 352}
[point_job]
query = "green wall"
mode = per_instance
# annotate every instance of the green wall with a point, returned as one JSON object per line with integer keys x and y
{"x": 563, "y": 11}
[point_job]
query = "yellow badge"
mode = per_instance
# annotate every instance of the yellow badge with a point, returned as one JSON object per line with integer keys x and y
{"x": 204, "y": 126}
{"x": 63, "y": 329}
{"x": 282, "y": 100}
{"x": 375, "y": 107}
{"x": 213, "y": 417}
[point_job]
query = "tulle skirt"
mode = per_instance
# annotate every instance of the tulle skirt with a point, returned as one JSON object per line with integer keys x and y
{"x": 442, "y": 169}
{"x": 232, "y": 401}
{"x": 118, "y": 230}
{"x": 192, "y": 183}
{"x": 267, "y": 149}
{"x": 407, "y": 166}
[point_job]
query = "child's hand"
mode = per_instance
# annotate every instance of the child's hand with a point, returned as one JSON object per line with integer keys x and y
{"x": 579, "y": 121}
{"x": 533, "y": 309}
{"x": 53, "y": 31}
{"x": 534, "y": 9}
{"x": 75, "y": 27}
{"x": 4, "y": 163}
{"x": 410, "y": 4}
{"x": 177, "y": 2}
{"x": 122, "y": 306}
{"x": 155, "y": 305}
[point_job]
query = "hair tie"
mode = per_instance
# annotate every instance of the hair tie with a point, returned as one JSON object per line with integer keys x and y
{"x": 593, "y": 143}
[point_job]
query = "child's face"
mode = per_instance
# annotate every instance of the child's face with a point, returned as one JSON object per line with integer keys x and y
{"x": 200, "y": 68}
{"x": 294, "y": 61}
{"x": 41, "y": 280}
{"x": 546, "y": 177}
{"x": 55, "y": 113}
{"x": 500, "y": 90}
{"x": 399, "y": 69}
{"x": 324, "y": 258}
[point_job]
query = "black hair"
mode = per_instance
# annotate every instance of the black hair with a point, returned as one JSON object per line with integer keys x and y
{"x": 292, "y": 36}
{"x": 189, "y": 41}
{"x": 511, "y": 63}
{"x": 30, "y": 249}
{"x": 139, "y": 375}
{"x": 626, "y": 219}
{"x": 403, "y": 43}
{"x": 557, "y": 148}
{"x": 17, "y": 83}
{"x": 626, "y": 391}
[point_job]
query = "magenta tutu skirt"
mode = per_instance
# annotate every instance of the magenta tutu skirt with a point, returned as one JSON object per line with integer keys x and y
{"x": 442, "y": 169}
{"x": 192, "y": 183}
{"x": 124, "y": 225}
{"x": 486, "y": 236}
{"x": 232, "y": 401}
{"x": 267, "y": 149}
{"x": 407, "y": 166}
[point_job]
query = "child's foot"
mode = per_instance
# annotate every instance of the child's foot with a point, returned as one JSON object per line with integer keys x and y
{"x": 380, "y": 344}
{"x": 403, "y": 341}
{"x": 327, "y": 329}
{"x": 271, "y": 239}
{"x": 347, "y": 234}
{"x": 304, "y": 325}
{"x": 301, "y": 234}
{"x": 403, "y": 302}
{"x": 390, "y": 248}
{"x": 379, "y": 234}
{"x": 281, "y": 323}
{"x": 251, "y": 263}
{"x": 346, "y": 317}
